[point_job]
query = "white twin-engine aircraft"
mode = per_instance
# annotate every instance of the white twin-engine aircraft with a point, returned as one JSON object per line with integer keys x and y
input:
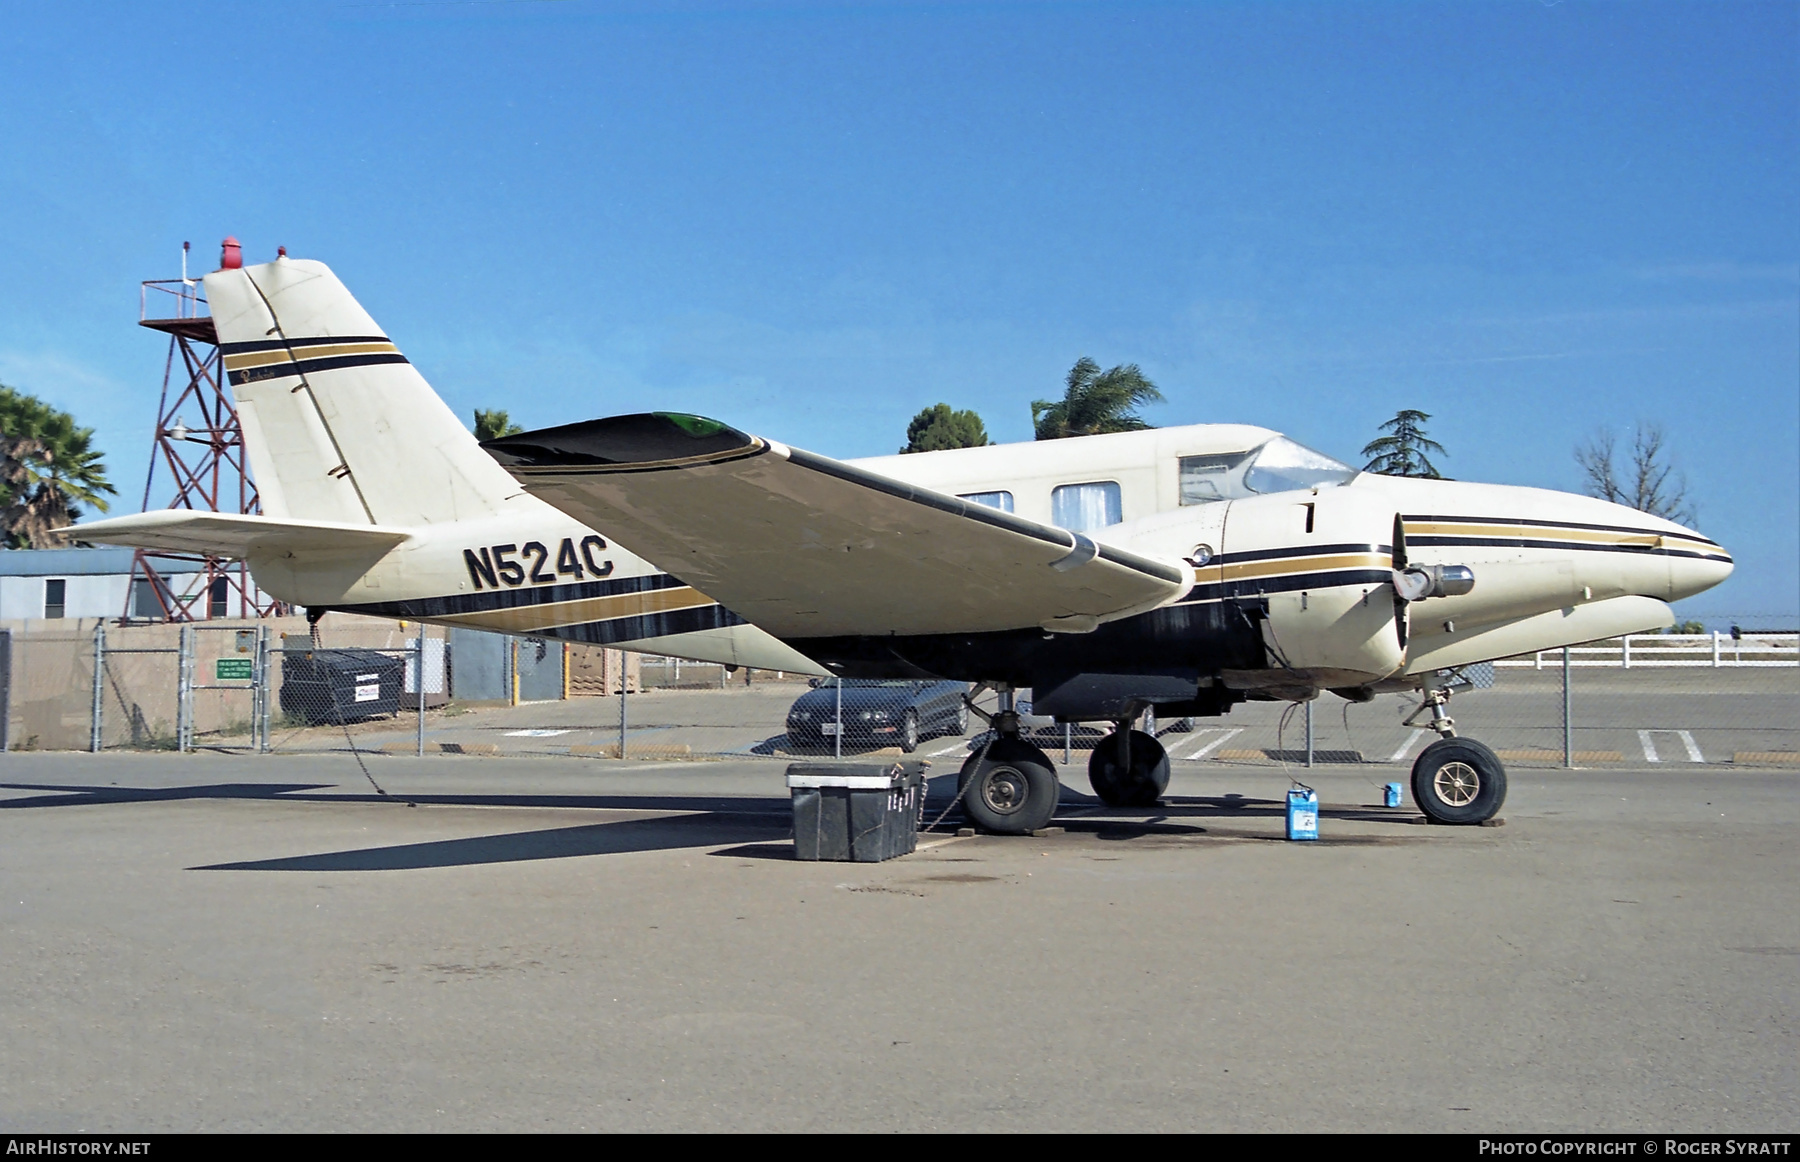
{"x": 1185, "y": 569}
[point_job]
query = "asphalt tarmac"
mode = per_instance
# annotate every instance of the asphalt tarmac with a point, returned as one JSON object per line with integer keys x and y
{"x": 214, "y": 942}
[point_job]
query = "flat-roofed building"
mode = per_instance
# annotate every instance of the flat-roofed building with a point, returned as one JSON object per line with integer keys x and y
{"x": 82, "y": 582}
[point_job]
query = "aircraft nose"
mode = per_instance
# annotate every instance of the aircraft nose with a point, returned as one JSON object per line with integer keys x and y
{"x": 1695, "y": 566}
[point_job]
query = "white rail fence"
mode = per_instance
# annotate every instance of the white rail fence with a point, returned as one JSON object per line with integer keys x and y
{"x": 1661, "y": 650}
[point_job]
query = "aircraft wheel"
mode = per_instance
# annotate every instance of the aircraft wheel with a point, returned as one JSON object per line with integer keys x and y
{"x": 1458, "y": 781}
{"x": 909, "y": 732}
{"x": 1143, "y": 784}
{"x": 1013, "y": 791}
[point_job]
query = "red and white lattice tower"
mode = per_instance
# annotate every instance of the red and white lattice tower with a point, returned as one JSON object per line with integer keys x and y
{"x": 198, "y": 451}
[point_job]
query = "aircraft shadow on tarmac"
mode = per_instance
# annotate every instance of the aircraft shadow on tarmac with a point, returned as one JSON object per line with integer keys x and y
{"x": 743, "y": 827}
{"x": 707, "y": 830}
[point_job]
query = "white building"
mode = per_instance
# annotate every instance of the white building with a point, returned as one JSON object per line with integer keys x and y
{"x": 62, "y": 583}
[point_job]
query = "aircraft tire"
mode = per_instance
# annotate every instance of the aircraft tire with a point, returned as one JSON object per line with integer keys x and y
{"x": 1142, "y": 785}
{"x": 1012, "y": 791}
{"x": 1458, "y": 781}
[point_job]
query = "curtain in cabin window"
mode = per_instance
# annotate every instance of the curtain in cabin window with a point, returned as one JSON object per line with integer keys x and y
{"x": 1000, "y": 500}
{"x": 1078, "y": 507}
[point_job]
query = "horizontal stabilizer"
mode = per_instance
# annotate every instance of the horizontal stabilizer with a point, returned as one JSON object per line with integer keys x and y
{"x": 220, "y": 534}
{"x": 806, "y": 546}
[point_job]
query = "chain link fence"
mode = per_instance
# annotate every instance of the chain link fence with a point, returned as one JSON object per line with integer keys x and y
{"x": 281, "y": 686}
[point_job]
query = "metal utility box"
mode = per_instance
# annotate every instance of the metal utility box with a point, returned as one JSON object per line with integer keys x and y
{"x": 856, "y": 812}
{"x": 333, "y": 686}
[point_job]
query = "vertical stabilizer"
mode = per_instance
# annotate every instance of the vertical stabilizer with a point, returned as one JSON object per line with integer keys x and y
{"x": 337, "y": 424}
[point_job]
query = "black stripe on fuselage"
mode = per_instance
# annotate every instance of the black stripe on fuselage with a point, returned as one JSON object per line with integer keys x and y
{"x": 298, "y": 344}
{"x": 1556, "y": 524}
{"x": 494, "y": 600}
{"x": 1287, "y": 583}
{"x": 1585, "y": 546}
{"x": 639, "y": 626}
{"x": 613, "y": 631}
{"x": 309, "y": 366}
{"x": 1300, "y": 551}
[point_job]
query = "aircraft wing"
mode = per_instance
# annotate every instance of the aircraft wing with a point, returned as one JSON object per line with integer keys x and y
{"x": 805, "y": 546}
{"x": 222, "y": 534}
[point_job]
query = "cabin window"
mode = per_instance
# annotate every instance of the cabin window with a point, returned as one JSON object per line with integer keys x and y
{"x": 1209, "y": 478}
{"x": 1000, "y": 500}
{"x": 55, "y": 595}
{"x": 1078, "y": 507}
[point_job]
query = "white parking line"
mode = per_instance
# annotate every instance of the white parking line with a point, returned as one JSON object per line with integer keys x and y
{"x": 936, "y": 753}
{"x": 1687, "y": 741}
{"x": 1215, "y": 743}
{"x": 1399, "y": 756}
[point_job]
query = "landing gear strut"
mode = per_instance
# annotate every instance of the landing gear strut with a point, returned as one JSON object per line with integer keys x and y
{"x": 1455, "y": 780}
{"x": 1009, "y": 786}
{"x": 1129, "y": 768}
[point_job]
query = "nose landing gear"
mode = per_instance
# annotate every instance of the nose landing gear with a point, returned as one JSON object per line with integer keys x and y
{"x": 1455, "y": 780}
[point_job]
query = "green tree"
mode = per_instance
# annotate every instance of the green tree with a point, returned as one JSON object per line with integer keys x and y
{"x": 48, "y": 469}
{"x": 1095, "y": 402}
{"x": 1402, "y": 451}
{"x": 937, "y": 427}
{"x": 491, "y": 425}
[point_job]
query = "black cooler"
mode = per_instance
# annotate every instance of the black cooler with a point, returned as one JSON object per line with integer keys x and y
{"x": 856, "y": 812}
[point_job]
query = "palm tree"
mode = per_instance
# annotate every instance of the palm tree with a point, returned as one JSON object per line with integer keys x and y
{"x": 1096, "y": 401}
{"x": 48, "y": 469}
{"x": 1402, "y": 451}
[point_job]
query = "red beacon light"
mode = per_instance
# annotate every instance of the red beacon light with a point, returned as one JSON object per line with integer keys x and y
{"x": 231, "y": 255}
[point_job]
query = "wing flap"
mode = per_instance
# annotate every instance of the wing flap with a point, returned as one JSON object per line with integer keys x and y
{"x": 805, "y": 546}
{"x": 221, "y": 534}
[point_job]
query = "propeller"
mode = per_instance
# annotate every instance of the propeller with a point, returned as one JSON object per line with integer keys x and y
{"x": 1402, "y": 607}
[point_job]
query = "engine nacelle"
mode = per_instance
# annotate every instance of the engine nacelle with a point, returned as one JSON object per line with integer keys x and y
{"x": 1321, "y": 566}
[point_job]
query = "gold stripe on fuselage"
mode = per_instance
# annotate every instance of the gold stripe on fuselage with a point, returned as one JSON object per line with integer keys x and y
{"x": 1251, "y": 570}
{"x": 1580, "y": 536}
{"x": 533, "y": 618}
{"x": 244, "y": 360}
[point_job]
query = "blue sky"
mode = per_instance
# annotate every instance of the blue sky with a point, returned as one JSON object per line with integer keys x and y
{"x": 813, "y": 219}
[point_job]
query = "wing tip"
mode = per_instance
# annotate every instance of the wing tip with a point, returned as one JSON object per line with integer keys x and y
{"x": 639, "y": 441}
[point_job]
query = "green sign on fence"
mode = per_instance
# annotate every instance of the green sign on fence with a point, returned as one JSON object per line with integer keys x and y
{"x": 233, "y": 669}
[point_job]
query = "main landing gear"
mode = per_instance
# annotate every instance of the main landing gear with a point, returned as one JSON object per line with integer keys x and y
{"x": 1129, "y": 768}
{"x": 1009, "y": 786}
{"x": 1455, "y": 780}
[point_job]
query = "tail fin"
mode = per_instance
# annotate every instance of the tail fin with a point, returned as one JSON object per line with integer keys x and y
{"x": 337, "y": 424}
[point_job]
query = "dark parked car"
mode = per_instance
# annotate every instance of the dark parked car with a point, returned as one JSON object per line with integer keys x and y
{"x": 882, "y": 712}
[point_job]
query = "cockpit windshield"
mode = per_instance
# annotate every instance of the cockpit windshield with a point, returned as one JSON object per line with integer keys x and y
{"x": 1280, "y": 465}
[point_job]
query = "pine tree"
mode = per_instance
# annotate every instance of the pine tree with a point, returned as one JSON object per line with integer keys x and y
{"x": 937, "y": 427}
{"x": 1402, "y": 451}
